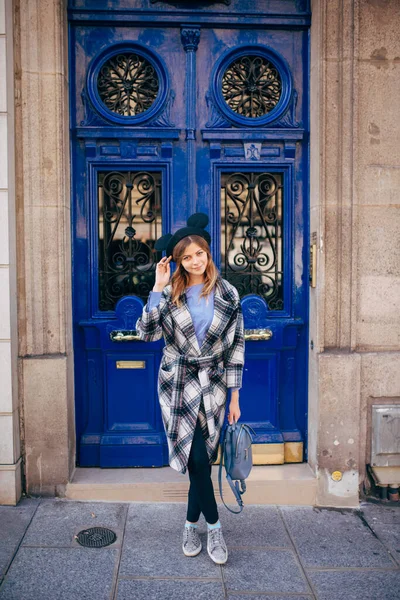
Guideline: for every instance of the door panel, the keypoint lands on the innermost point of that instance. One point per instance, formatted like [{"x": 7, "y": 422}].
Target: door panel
[
  {"x": 127, "y": 408},
  {"x": 173, "y": 112}
]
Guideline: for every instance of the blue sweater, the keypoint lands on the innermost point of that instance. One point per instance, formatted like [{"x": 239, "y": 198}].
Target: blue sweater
[{"x": 201, "y": 309}]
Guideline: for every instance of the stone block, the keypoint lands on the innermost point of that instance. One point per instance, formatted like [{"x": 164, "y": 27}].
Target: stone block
[
  {"x": 379, "y": 185},
  {"x": 41, "y": 52},
  {"x": 330, "y": 538},
  {"x": 377, "y": 336},
  {"x": 169, "y": 589},
  {"x": 379, "y": 305},
  {"x": 13, "y": 524},
  {"x": 6, "y": 401},
  {"x": 3, "y": 152},
  {"x": 378, "y": 250},
  {"x": 377, "y": 514},
  {"x": 238, "y": 596},
  {"x": 331, "y": 257},
  {"x": 4, "y": 236},
  {"x": 45, "y": 292},
  {"x": 2, "y": 17},
  {"x": 5, "y": 332},
  {"x": 380, "y": 375},
  {"x": 357, "y": 585},
  {"x": 378, "y": 109},
  {"x": 258, "y": 526},
  {"x": 379, "y": 24},
  {"x": 3, "y": 78},
  {"x": 47, "y": 432},
  {"x": 49, "y": 573},
  {"x": 6, "y": 440},
  {"x": 389, "y": 535},
  {"x": 150, "y": 530},
  {"x": 10, "y": 483},
  {"x": 56, "y": 521},
  {"x": 338, "y": 428},
  {"x": 267, "y": 571},
  {"x": 338, "y": 24}
]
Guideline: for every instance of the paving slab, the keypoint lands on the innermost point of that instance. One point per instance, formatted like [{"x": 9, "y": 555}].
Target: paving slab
[
  {"x": 254, "y": 526},
  {"x": 60, "y": 574},
  {"x": 334, "y": 538},
  {"x": 163, "y": 589},
  {"x": 378, "y": 513},
  {"x": 356, "y": 585},
  {"x": 269, "y": 597},
  {"x": 268, "y": 571},
  {"x": 57, "y": 520},
  {"x": 14, "y": 521},
  {"x": 153, "y": 544},
  {"x": 389, "y": 535}
]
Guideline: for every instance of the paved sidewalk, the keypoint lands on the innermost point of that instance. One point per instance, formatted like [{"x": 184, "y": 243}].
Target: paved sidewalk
[{"x": 275, "y": 553}]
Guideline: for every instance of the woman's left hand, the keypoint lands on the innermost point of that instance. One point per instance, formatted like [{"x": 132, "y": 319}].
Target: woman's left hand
[{"x": 234, "y": 410}]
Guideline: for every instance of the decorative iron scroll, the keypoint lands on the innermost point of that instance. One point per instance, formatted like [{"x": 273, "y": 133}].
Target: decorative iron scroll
[
  {"x": 251, "y": 86},
  {"x": 251, "y": 234},
  {"x": 129, "y": 225},
  {"x": 128, "y": 84}
]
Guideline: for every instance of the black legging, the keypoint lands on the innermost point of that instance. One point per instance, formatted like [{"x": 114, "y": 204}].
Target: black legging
[{"x": 201, "y": 498}]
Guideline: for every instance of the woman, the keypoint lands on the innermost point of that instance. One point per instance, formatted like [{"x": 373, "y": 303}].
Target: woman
[{"x": 200, "y": 316}]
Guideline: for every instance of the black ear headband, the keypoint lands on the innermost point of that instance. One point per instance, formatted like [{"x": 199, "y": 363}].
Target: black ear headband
[{"x": 195, "y": 226}]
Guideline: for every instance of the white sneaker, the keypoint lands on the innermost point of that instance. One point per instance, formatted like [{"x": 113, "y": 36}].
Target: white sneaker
[
  {"x": 191, "y": 545},
  {"x": 216, "y": 546}
]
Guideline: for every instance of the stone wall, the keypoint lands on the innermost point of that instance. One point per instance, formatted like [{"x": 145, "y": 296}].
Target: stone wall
[
  {"x": 355, "y": 210},
  {"x": 44, "y": 259},
  {"x": 10, "y": 451}
]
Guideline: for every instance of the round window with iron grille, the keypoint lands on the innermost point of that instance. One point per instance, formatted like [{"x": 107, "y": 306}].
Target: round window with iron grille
[
  {"x": 128, "y": 84},
  {"x": 251, "y": 86}
]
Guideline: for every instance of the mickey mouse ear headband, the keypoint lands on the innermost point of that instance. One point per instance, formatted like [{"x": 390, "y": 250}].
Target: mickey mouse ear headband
[{"x": 195, "y": 226}]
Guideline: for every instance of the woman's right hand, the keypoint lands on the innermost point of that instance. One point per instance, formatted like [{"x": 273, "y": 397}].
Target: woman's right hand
[{"x": 163, "y": 274}]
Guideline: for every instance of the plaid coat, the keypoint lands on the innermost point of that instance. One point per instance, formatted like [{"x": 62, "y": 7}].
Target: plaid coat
[{"x": 189, "y": 374}]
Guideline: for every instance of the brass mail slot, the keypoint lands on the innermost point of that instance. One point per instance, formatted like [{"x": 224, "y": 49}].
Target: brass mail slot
[{"x": 131, "y": 364}]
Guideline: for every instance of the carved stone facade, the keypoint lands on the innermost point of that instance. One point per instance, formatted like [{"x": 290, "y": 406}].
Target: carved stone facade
[
  {"x": 354, "y": 355},
  {"x": 354, "y": 310}
]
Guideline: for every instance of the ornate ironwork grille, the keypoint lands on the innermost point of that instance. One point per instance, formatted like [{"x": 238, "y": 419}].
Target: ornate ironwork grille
[
  {"x": 129, "y": 225},
  {"x": 251, "y": 234},
  {"x": 128, "y": 84},
  {"x": 251, "y": 86}
]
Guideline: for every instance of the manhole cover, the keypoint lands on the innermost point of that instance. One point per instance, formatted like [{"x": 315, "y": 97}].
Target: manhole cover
[{"x": 96, "y": 537}]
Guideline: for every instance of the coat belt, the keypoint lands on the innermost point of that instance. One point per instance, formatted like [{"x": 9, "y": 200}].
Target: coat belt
[{"x": 201, "y": 364}]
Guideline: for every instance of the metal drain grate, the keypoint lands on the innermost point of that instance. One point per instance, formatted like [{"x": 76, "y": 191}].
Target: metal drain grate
[{"x": 96, "y": 537}]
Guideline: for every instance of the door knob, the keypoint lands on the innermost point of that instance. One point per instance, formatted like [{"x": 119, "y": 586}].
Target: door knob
[
  {"x": 257, "y": 335},
  {"x": 125, "y": 336}
]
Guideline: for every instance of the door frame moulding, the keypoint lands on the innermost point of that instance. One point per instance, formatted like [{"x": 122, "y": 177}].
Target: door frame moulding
[{"x": 333, "y": 221}]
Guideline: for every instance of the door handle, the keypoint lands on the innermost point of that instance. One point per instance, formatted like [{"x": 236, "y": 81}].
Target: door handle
[
  {"x": 125, "y": 336},
  {"x": 257, "y": 335}
]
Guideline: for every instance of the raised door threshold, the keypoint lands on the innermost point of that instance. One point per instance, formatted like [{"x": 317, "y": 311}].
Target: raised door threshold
[{"x": 293, "y": 484}]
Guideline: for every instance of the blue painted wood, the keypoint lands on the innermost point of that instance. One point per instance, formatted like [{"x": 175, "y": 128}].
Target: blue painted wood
[{"x": 191, "y": 139}]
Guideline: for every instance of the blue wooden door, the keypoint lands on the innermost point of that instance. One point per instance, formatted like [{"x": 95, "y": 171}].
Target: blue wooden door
[{"x": 176, "y": 110}]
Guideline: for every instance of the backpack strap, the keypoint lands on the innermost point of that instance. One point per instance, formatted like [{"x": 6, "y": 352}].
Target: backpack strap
[{"x": 234, "y": 487}]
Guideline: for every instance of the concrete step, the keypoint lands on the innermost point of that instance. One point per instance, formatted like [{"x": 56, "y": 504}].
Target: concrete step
[{"x": 293, "y": 484}]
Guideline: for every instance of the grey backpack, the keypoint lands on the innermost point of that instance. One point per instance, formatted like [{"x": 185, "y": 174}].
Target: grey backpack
[{"x": 237, "y": 456}]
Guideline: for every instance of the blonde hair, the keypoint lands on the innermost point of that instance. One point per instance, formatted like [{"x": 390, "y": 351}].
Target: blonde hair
[{"x": 180, "y": 278}]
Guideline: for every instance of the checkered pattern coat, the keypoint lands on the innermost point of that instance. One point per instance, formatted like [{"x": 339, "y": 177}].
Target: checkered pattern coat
[{"x": 189, "y": 374}]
